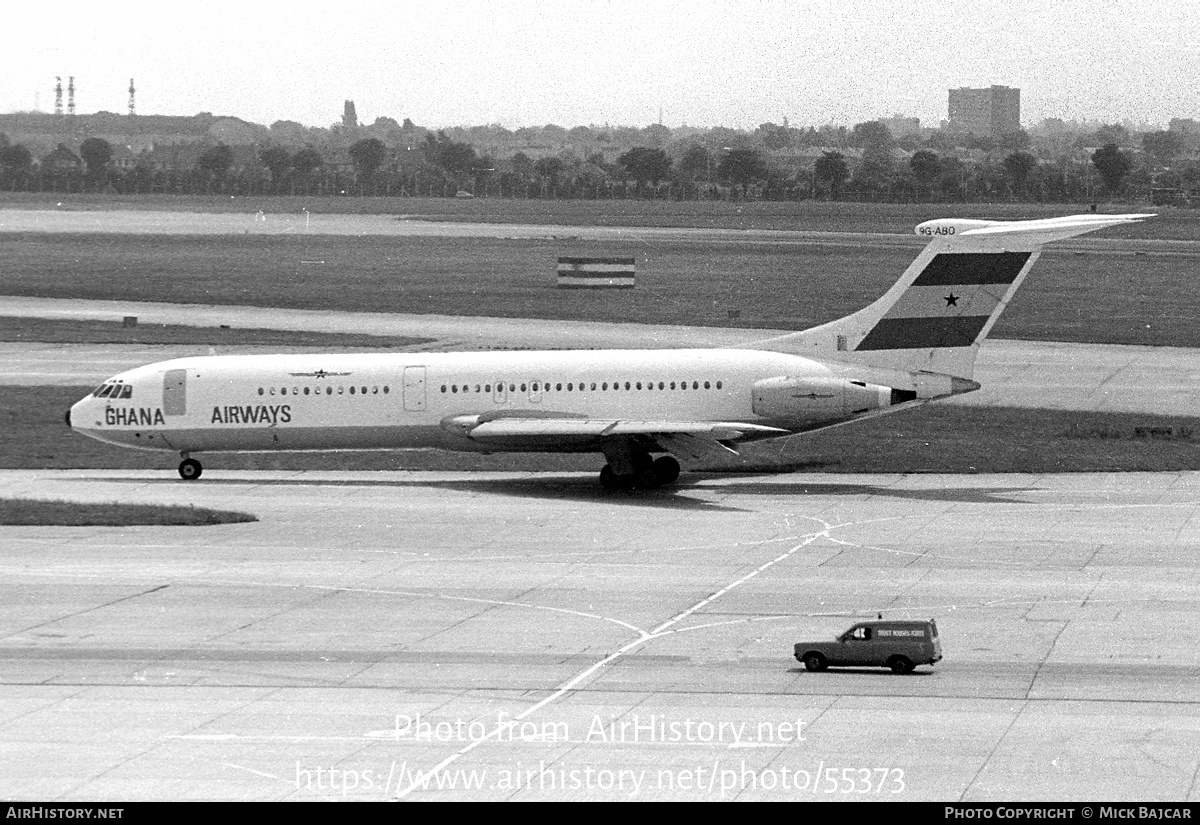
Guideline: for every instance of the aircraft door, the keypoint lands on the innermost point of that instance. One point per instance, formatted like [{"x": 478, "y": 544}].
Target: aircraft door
[
  {"x": 499, "y": 393},
  {"x": 174, "y": 400},
  {"x": 414, "y": 389}
]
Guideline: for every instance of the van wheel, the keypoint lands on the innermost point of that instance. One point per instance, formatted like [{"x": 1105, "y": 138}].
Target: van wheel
[
  {"x": 814, "y": 662},
  {"x": 900, "y": 664}
]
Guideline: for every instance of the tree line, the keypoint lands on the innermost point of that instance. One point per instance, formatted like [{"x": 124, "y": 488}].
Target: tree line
[{"x": 879, "y": 169}]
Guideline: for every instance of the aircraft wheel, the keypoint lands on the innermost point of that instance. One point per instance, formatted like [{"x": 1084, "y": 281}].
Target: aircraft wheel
[
  {"x": 646, "y": 479},
  {"x": 611, "y": 481},
  {"x": 666, "y": 468},
  {"x": 190, "y": 469}
]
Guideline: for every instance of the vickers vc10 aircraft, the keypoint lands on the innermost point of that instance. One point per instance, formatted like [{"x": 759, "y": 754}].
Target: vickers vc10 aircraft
[{"x": 914, "y": 345}]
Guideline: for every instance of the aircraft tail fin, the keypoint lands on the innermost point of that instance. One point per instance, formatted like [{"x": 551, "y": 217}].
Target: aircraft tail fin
[{"x": 944, "y": 305}]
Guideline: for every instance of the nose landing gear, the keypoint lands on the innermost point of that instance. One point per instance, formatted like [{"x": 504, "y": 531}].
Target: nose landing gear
[{"x": 189, "y": 468}]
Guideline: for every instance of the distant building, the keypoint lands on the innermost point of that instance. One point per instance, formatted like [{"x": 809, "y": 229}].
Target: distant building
[
  {"x": 62, "y": 159},
  {"x": 349, "y": 115},
  {"x": 901, "y": 126},
  {"x": 986, "y": 112}
]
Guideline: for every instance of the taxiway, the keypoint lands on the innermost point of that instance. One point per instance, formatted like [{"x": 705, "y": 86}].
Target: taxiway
[{"x": 297, "y": 657}]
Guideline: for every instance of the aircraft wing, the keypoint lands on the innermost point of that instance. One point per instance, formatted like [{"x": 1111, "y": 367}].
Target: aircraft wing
[{"x": 485, "y": 428}]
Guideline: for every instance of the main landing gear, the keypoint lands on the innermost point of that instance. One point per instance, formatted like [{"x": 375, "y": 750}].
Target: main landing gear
[
  {"x": 189, "y": 468},
  {"x": 647, "y": 474}
]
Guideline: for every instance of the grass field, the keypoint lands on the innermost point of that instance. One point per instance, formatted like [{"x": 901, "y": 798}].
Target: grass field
[
  {"x": 1071, "y": 296},
  {"x": 934, "y": 438},
  {"x": 24, "y": 512}
]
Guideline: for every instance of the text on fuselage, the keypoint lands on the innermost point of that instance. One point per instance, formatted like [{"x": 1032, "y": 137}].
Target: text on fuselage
[
  {"x": 251, "y": 414},
  {"x": 133, "y": 416}
]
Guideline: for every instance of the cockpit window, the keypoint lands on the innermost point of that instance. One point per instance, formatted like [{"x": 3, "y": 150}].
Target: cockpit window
[{"x": 117, "y": 390}]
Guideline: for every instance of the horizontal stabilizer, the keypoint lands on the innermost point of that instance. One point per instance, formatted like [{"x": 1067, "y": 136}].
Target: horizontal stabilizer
[{"x": 1037, "y": 232}]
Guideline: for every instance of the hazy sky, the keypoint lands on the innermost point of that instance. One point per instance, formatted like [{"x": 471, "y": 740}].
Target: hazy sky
[{"x": 573, "y": 62}]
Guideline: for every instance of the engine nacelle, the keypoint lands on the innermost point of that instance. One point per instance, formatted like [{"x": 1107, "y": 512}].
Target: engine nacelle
[{"x": 818, "y": 398}]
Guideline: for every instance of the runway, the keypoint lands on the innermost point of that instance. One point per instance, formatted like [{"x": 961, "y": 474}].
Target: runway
[
  {"x": 1043, "y": 374},
  {"x": 70, "y": 220},
  {"x": 639, "y": 646}
]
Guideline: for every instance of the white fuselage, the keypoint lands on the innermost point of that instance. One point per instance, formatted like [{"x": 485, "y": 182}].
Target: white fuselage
[{"x": 401, "y": 400}]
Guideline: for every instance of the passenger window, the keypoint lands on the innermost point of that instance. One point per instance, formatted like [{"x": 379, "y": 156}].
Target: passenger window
[
  {"x": 352, "y": 390},
  {"x": 261, "y": 391},
  {"x": 593, "y": 386},
  {"x": 718, "y": 385},
  {"x": 306, "y": 390},
  {"x": 707, "y": 386}
]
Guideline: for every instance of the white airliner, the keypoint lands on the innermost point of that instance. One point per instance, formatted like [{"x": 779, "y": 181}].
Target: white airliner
[{"x": 914, "y": 345}]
